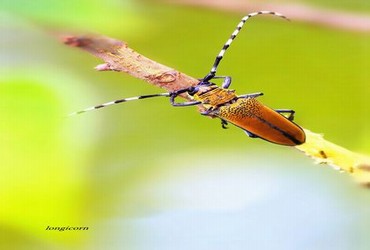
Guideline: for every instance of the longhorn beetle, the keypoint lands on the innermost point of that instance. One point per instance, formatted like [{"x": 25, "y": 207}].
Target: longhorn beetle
[{"x": 244, "y": 111}]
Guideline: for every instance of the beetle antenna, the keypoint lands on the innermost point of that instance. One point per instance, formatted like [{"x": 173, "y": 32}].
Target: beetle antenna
[
  {"x": 220, "y": 55},
  {"x": 119, "y": 101}
]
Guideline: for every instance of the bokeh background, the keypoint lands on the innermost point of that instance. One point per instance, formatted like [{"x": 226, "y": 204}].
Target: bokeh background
[{"x": 146, "y": 175}]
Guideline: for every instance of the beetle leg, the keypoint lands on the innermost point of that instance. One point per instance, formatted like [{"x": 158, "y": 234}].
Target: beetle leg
[
  {"x": 251, "y": 135},
  {"x": 291, "y": 113},
  {"x": 173, "y": 95},
  {"x": 224, "y": 124},
  {"x": 207, "y": 112},
  {"x": 226, "y": 82},
  {"x": 185, "y": 104},
  {"x": 252, "y": 95}
]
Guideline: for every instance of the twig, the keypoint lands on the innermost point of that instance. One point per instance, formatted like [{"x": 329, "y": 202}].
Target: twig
[
  {"x": 325, "y": 152},
  {"x": 119, "y": 57}
]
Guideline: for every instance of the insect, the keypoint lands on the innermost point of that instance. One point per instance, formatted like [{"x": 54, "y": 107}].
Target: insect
[{"x": 243, "y": 111}]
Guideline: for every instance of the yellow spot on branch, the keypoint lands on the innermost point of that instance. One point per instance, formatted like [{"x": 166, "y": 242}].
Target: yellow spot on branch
[{"x": 325, "y": 152}]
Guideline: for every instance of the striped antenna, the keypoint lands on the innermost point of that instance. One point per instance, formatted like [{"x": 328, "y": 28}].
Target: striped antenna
[
  {"x": 220, "y": 55},
  {"x": 119, "y": 101}
]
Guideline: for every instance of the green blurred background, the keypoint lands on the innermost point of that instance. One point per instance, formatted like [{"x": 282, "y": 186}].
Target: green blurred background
[{"x": 145, "y": 175}]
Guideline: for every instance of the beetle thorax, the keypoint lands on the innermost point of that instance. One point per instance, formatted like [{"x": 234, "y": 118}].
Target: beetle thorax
[{"x": 214, "y": 96}]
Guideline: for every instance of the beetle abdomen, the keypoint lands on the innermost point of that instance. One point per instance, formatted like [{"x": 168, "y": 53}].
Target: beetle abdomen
[{"x": 264, "y": 122}]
